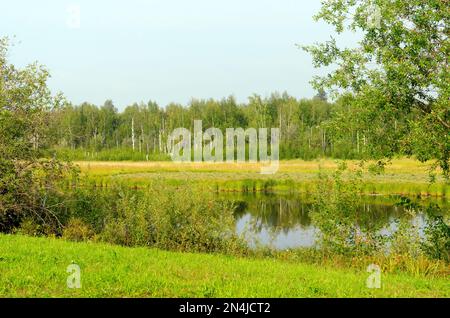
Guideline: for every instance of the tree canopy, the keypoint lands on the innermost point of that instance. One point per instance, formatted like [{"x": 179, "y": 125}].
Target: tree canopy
[
  {"x": 26, "y": 180},
  {"x": 398, "y": 73}
]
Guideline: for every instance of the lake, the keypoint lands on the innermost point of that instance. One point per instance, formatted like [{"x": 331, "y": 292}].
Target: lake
[{"x": 284, "y": 221}]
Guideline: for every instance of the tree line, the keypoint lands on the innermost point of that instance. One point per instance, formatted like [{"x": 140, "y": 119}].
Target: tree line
[{"x": 141, "y": 130}]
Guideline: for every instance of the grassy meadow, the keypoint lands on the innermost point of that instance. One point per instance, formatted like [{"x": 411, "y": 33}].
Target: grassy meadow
[
  {"x": 36, "y": 267},
  {"x": 402, "y": 176}
]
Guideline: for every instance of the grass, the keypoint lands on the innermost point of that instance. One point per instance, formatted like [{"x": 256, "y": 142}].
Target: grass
[
  {"x": 36, "y": 267},
  {"x": 402, "y": 176}
]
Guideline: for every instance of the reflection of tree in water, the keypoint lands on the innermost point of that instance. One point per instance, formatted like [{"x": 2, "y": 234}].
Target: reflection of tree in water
[
  {"x": 275, "y": 213},
  {"x": 373, "y": 217},
  {"x": 281, "y": 214},
  {"x": 289, "y": 218}
]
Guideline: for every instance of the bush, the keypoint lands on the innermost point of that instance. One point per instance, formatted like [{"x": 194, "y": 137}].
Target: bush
[
  {"x": 176, "y": 218},
  {"x": 29, "y": 227},
  {"x": 163, "y": 216},
  {"x": 336, "y": 212},
  {"x": 437, "y": 235},
  {"x": 77, "y": 230},
  {"x": 33, "y": 190}
]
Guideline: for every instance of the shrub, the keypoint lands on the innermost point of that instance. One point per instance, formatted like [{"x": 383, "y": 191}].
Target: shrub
[
  {"x": 437, "y": 235},
  {"x": 336, "y": 212},
  {"x": 177, "y": 218},
  {"x": 77, "y": 230},
  {"x": 29, "y": 227}
]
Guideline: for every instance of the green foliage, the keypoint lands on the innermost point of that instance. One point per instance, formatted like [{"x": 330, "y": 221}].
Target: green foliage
[
  {"x": 29, "y": 227},
  {"x": 89, "y": 132},
  {"x": 29, "y": 187},
  {"x": 337, "y": 213},
  {"x": 171, "y": 218},
  {"x": 114, "y": 154},
  {"x": 168, "y": 217},
  {"x": 77, "y": 230},
  {"x": 437, "y": 233},
  {"x": 377, "y": 168},
  {"x": 396, "y": 82}
]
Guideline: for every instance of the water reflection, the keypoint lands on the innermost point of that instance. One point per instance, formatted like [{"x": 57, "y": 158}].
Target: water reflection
[{"x": 284, "y": 222}]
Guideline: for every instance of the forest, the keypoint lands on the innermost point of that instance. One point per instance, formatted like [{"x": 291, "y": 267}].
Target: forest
[{"x": 140, "y": 131}]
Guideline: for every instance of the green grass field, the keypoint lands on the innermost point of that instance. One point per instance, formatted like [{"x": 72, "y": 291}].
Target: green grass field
[
  {"x": 402, "y": 176},
  {"x": 36, "y": 267}
]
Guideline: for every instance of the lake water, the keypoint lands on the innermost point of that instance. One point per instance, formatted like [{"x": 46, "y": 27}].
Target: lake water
[{"x": 284, "y": 222}]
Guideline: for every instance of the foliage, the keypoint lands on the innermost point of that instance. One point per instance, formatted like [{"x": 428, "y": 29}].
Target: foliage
[
  {"x": 396, "y": 81},
  {"x": 28, "y": 185},
  {"x": 337, "y": 213},
  {"x": 435, "y": 241},
  {"x": 164, "y": 216},
  {"x": 114, "y": 154},
  {"x": 140, "y": 132},
  {"x": 171, "y": 218},
  {"x": 437, "y": 233},
  {"x": 77, "y": 230}
]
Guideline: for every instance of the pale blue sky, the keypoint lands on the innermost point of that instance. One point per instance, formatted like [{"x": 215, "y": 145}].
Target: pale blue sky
[{"x": 168, "y": 50}]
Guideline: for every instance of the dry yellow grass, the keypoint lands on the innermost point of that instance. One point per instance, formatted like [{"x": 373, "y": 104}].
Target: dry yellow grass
[
  {"x": 401, "y": 176},
  {"x": 397, "y": 166}
]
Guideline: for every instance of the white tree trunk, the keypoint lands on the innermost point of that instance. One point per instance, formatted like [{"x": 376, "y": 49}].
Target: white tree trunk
[{"x": 132, "y": 132}]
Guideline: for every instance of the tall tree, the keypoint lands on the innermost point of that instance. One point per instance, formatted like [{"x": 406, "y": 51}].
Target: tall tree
[
  {"x": 399, "y": 72},
  {"x": 26, "y": 182}
]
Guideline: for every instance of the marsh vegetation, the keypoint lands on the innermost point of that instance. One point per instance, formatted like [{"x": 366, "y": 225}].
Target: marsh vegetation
[{"x": 316, "y": 217}]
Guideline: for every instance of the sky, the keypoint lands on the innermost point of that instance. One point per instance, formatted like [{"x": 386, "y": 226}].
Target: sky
[{"x": 167, "y": 50}]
